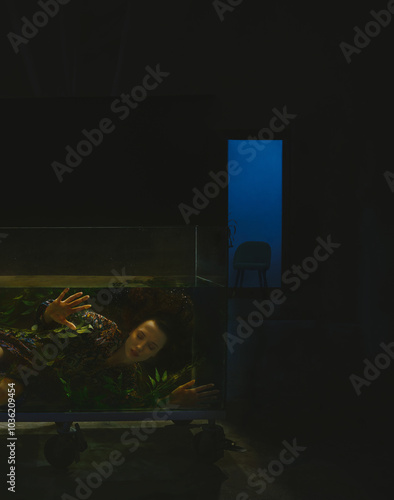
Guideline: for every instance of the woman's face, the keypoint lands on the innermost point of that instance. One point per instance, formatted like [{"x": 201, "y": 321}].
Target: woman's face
[{"x": 145, "y": 341}]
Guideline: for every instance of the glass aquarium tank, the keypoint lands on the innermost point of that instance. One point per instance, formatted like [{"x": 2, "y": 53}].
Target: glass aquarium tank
[{"x": 175, "y": 277}]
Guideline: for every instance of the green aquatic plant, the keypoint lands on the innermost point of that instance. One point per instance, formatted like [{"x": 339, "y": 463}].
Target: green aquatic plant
[
  {"x": 147, "y": 392},
  {"x": 81, "y": 399},
  {"x": 159, "y": 378},
  {"x": 19, "y": 308},
  {"x": 22, "y": 307},
  {"x": 161, "y": 386},
  {"x": 114, "y": 385}
]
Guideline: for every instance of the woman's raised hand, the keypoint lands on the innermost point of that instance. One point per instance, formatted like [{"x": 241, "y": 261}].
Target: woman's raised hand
[
  {"x": 59, "y": 309},
  {"x": 185, "y": 395}
]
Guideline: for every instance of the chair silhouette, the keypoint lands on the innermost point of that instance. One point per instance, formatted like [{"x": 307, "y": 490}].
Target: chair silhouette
[{"x": 253, "y": 256}]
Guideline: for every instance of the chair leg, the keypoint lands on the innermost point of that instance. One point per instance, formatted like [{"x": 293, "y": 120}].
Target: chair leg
[
  {"x": 236, "y": 279},
  {"x": 265, "y": 278}
]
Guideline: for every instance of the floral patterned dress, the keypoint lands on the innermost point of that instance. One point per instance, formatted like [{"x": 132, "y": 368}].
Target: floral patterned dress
[{"x": 53, "y": 362}]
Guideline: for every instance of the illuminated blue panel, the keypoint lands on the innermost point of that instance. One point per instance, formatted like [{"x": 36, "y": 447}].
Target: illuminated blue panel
[{"x": 255, "y": 203}]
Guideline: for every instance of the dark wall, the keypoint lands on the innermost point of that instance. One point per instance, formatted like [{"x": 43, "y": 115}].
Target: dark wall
[
  {"x": 137, "y": 175},
  {"x": 224, "y": 75}
]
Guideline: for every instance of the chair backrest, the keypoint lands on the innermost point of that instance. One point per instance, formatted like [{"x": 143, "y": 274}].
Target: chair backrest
[{"x": 253, "y": 251}]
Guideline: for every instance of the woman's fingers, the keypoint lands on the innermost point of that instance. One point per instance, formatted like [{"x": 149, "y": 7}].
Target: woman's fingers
[
  {"x": 73, "y": 297},
  {"x": 205, "y": 394},
  {"x": 78, "y": 301},
  {"x": 69, "y": 324},
  {"x": 81, "y": 308},
  {"x": 203, "y": 387},
  {"x": 73, "y": 300},
  {"x": 60, "y": 318},
  {"x": 188, "y": 384},
  {"x": 62, "y": 294},
  {"x": 198, "y": 396}
]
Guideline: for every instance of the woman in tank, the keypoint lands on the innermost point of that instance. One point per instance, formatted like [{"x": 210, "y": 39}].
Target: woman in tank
[{"x": 154, "y": 321}]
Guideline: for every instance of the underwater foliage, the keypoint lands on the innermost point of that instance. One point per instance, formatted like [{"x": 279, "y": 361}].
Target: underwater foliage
[
  {"x": 115, "y": 397},
  {"x": 22, "y": 306},
  {"x": 152, "y": 383}
]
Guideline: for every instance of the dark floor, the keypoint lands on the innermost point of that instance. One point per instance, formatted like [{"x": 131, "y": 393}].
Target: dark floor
[{"x": 164, "y": 465}]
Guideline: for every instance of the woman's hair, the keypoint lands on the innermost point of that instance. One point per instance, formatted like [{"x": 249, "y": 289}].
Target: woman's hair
[{"x": 171, "y": 309}]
